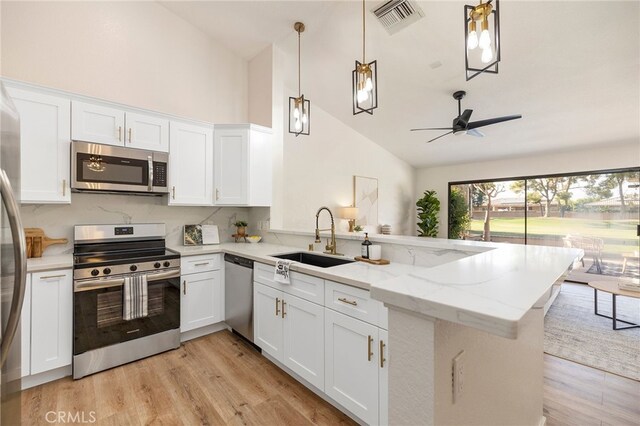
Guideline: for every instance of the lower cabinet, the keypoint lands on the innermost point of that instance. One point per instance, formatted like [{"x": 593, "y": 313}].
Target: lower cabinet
[
  {"x": 383, "y": 377},
  {"x": 47, "y": 322},
  {"x": 352, "y": 364},
  {"x": 202, "y": 295},
  {"x": 290, "y": 329}
]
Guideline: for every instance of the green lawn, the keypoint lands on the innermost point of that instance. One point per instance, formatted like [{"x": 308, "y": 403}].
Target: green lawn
[{"x": 619, "y": 235}]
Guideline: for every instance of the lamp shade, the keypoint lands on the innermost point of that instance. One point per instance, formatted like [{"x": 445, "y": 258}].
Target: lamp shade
[{"x": 350, "y": 213}]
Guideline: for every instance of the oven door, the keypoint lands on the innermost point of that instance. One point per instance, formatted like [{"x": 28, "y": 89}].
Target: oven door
[
  {"x": 97, "y": 167},
  {"x": 98, "y": 310}
]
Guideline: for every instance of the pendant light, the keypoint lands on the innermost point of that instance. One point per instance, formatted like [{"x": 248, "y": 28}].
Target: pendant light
[
  {"x": 482, "y": 52},
  {"x": 299, "y": 107},
  {"x": 364, "y": 79}
]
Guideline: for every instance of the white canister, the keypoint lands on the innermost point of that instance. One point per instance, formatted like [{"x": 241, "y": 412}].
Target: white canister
[{"x": 375, "y": 252}]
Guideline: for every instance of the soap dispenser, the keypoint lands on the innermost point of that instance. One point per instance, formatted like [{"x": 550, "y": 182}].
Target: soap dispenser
[{"x": 364, "y": 250}]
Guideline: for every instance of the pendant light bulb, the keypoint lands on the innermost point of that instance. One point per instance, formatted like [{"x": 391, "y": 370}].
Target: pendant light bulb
[
  {"x": 297, "y": 124},
  {"x": 304, "y": 118},
  {"x": 296, "y": 112},
  {"x": 472, "y": 39},
  {"x": 368, "y": 86},
  {"x": 487, "y": 55},
  {"x": 363, "y": 95},
  {"x": 485, "y": 39}
]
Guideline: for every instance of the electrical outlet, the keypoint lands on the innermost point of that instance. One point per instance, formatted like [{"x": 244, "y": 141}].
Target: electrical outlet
[{"x": 458, "y": 376}]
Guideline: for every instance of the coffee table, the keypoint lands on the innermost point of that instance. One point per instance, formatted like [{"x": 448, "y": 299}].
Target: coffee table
[{"x": 612, "y": 287}]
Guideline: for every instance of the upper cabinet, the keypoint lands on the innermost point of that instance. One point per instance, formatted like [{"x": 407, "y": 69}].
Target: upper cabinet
[
  {"x": 243, "y": 172},
  {"x": 44, "y": 146},
  {"x": 190, "y": 165},
  {"x": 114, "y": 126}
]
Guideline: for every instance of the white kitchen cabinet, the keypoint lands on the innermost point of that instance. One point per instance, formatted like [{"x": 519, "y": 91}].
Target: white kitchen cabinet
[
  {"x": 291, "y": 330},
  {"x": 243, "y": 172},
  {"x": 147, "y": 132},
  {"x": 51, "y": 320},
  {"x": 97, "y": 123},
  {"x": 200, "y": 300},
  {"x": 190, "y": 165},
  {"x": 267, "y": 322},
  {"x": 351, "y": 364},
  {"x": 383, "y": 377},
  {"x": 202, "y": 292},
  {"x": 115, "y": 126},
  {"x": 44, "y": 144}
]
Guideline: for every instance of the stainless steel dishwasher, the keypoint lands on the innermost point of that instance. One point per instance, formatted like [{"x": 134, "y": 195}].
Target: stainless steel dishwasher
[{"x": 238, "y": 294}]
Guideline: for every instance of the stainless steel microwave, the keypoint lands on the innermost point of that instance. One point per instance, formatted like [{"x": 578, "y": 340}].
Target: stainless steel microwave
[{"x": 107, "y": 168}]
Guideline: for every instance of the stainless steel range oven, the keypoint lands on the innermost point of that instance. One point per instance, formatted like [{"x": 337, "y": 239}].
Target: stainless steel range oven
[{"x": 104, "y": 257}]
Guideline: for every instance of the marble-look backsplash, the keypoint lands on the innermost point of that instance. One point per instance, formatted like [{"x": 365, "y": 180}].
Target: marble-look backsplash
[{"x": 57, "y": 221}]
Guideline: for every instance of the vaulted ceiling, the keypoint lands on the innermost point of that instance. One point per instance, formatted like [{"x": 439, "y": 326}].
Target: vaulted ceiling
[{"x": 571, "y": 68}]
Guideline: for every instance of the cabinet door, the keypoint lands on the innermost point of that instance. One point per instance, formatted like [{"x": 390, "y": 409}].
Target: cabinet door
[
  {"x": 383, "y": 376},
  {"x": 200, "y": 300},
  {"x": 97, "y": 123},
  {"x": 51, "y": 320},
  {"x": 231, "y": 166},
  {"x": 44, "y": 143},
  {"x": 190, "y": 165},
  {"x": 304, "y": 339},
  {"x": 351, "y": 363},
  {"x": 267, "y": 320},
  {"x": 147, "y": 132}
]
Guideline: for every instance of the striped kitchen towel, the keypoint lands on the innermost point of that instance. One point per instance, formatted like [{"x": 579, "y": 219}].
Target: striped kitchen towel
[{"x": 135, "y": 297}]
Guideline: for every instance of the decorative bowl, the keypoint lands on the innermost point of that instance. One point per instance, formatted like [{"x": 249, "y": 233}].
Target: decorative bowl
[{"x": 254, "y": 238}]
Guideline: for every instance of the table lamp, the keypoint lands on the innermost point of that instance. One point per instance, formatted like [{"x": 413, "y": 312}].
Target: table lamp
[{"x": 350, "y": 213}]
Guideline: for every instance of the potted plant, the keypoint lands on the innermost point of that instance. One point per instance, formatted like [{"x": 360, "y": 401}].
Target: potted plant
[
  {"x": 428, "y": 210},
  {"x": 241, "y": 226}
]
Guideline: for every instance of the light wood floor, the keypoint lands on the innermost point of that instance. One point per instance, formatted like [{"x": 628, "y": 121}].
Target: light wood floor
[{"x": 218, "y": 379}]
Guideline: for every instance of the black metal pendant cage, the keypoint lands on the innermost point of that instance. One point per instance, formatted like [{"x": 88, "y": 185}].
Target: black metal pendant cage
[
  {"x": 473, "y": 64},
  {"x": 365, "y": 87},
  {"x": 299, "y": 116}
]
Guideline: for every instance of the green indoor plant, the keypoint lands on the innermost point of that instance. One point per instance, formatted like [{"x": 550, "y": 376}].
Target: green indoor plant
[
  {"x": 458, "y": 215},
  {"x": 241, "y": 226},
  {"x": 428, "y": 210}
]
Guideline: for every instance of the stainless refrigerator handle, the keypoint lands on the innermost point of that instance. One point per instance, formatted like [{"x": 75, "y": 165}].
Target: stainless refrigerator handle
[
  {"x": 118, "y": 282},
  {"x": 20, "y": 259},
  {"x": 150, "y": 160}
]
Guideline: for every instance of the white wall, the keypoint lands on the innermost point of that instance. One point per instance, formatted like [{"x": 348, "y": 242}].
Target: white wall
[
  {"x": 438, "y": 178},
  {"x": 260, "y": 87},
  {"x": 318, "y": 170},
  {"x": 136, "y": 53}
]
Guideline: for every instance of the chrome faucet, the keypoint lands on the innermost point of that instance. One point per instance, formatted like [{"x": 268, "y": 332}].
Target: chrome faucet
[{"x": 330, "y": 247}]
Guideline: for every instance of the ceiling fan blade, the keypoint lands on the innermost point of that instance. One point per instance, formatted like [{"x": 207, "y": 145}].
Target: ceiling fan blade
[
  {"x": 440, "y": 136},
  {"x": 432, "y": 128},
  {"x": 475, "y": 132},
  {"x": 464, "y": 117},
  {"x": 490, "y": 121}
]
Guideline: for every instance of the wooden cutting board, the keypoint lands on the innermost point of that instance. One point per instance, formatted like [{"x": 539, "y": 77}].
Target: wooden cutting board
[{"x": 37, "y": 241}]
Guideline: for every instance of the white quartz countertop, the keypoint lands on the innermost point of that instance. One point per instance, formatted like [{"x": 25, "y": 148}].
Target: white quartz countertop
[{"x": 49, "y": 263}]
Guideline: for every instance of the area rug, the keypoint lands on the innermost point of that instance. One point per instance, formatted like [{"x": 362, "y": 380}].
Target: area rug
[
  {"x": 573, "y": 332},
  {"x": 615, "y": 270}
]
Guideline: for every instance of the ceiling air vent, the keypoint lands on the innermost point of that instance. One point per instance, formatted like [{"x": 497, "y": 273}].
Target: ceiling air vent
[{"x": 395, "y": 15}]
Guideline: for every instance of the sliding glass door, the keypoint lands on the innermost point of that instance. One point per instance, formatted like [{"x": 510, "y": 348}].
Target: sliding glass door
[{"x": 597, "y": 212}]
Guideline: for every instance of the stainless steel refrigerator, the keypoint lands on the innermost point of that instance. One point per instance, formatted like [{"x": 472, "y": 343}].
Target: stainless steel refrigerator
[{"x": 13, "y": 262}]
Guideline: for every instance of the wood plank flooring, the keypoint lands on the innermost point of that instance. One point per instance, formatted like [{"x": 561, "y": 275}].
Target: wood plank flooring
[{"x": 219, "y": 379}]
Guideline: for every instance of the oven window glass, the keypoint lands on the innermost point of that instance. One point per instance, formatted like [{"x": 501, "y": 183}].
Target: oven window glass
[
  {"x": 105, "y": 169},
  {"x": 98, "y": 313}
]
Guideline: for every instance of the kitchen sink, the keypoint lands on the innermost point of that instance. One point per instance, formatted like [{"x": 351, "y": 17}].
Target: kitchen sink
[{"x": 314, "y": 259}]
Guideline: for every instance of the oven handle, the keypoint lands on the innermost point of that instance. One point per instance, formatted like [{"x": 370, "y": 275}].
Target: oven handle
[
  {"x": 119, "y": 282},
  {"x": 150, "y": 163}
]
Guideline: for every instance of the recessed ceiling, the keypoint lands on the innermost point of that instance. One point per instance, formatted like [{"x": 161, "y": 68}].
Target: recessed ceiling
[{"x": 570, "y": 68}]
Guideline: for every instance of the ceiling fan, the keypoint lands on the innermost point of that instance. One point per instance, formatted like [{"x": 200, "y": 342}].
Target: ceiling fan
[{"x": 462, "y": 125}]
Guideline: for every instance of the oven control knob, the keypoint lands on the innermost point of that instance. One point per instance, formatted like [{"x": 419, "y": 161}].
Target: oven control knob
[
  {"x": 106, "y": 271},
  {"x": 95, "y": 272},
  {"x": 156, "y": 265},
  {"x": 133, "y": 268},
  {"x": 167, "y": 264}
]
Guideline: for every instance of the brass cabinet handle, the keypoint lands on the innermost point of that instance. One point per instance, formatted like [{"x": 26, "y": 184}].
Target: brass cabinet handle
[
  {"x": 173, "y": 193},
  {"x": 50, "y": 277},
  {"x": 382, "y": 358},
  {"x": 129, "y": 134},
  {"x": 350, "y": 302},
  {"x": 277, "y": 306},
  {"x": 184, "y": 289},
  {"x": 201, "y": 264},
  {"x": 120, "y": 133},
  {"x": 283, "y": 312},
  {"x": 64, "y": 187},
  {"x": 369, "y": 351}
]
